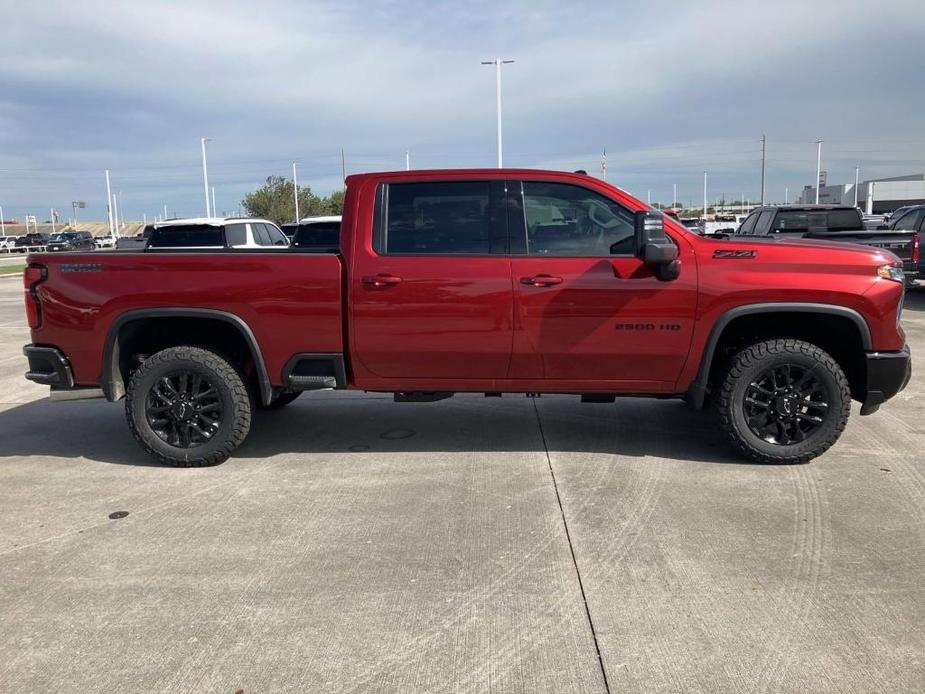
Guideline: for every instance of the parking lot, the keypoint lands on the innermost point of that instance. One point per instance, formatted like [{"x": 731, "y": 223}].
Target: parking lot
[{"x": 469, "y": 545}]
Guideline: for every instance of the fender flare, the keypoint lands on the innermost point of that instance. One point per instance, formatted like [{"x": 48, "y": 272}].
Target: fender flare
[
  {"x": 697, "y": 392},
  {"x": 111, "y": 378}
]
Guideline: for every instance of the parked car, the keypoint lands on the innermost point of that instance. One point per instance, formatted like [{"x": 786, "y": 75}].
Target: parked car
[
  {"x": 318, "y": 234},
  {"x": 7, "y": 242},
  {"x": 220, "y": 232},
  {"x": 71, "y": 241},
  {"x": 484, "y": 280},
  {"x": 32, "y": 239},
  {"x": 912, "y": 219},
  {"x": 105, "y": 241},
  {"x": 836, "y": 223},
  {"x": 898, "y": 212}
]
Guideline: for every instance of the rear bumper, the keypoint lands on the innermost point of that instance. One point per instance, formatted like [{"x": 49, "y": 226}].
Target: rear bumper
[
  {"x": 48, "y": 366},
  {"x": 887, "y": 374}
]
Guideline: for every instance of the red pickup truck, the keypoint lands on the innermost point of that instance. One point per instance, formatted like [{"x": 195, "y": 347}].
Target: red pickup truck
[{"x": 495, "y": 280}]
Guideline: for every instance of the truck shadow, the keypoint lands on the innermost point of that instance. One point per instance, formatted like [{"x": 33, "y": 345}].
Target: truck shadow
[{"x": 350, "y": 423}]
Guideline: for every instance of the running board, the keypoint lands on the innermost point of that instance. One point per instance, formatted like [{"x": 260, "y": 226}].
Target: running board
[{"x": 300, "y": 383}]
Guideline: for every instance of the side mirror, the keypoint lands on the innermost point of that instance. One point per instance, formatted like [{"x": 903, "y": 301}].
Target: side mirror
[{"x": 652, "y": 243}]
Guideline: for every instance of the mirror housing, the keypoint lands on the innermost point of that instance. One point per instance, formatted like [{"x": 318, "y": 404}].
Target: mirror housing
[{"x": 652, "y": 243}]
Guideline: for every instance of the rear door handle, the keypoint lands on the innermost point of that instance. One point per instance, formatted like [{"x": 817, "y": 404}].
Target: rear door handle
[
  {"x": 541, "y": 280},
  {"x": 381, "y": 280}
]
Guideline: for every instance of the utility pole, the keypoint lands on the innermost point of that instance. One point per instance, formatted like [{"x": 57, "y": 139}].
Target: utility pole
[
  {"x": 498, "y": 62},
  {"x": 295, "y": 191},
  {"x": 818, "y": 167},
  {"x": 205, "y": 173},
  {"x": 112, "y": 229},
  {"x": 763, "y": 157},
  {"x": 857, "y": 176},
  {"x": 407, "y": 160}
]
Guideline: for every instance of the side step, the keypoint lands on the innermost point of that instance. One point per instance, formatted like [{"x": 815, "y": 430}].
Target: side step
[{"x": 300, "y": 383}]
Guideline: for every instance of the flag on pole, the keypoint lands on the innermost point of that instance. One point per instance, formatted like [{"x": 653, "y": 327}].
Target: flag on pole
[{"x": 604, "y": 164}]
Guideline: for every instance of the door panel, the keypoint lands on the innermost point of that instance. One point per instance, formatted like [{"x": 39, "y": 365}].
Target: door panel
[
  {"x": 608, "y": 319},
  {"x": 432, "y": 297},
  {"x": 583, "y": 314}
]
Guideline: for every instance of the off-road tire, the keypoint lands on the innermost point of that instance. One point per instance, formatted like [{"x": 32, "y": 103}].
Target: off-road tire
[
  {"x": 748, "y": 365},
  {"x": 280, "y": 400},
  {"x": 231, "y": 391}
]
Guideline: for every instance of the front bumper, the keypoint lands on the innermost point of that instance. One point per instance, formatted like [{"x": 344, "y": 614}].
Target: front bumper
[
  {"x": 48, "y": 366},
  {"x": 887, "y": 374}
]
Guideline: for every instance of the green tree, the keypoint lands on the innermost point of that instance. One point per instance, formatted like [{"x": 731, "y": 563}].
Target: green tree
[{"x": 274, "y": 200}]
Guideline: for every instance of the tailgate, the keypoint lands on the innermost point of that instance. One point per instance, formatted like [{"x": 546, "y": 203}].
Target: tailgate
[{"x": 899, "y": 243}]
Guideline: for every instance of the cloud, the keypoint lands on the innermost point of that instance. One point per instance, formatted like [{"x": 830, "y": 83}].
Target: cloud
[{"x": 670, "y": 89}]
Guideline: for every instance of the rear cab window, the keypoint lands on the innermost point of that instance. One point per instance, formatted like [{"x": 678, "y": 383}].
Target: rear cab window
[{"x": 187, "y": 236}]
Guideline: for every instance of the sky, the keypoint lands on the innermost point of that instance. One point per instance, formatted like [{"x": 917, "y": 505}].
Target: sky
[{"x": 670, "y": 89}]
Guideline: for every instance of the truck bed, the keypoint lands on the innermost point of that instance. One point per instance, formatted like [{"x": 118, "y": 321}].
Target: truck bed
[{"x": 291, "y": 302}]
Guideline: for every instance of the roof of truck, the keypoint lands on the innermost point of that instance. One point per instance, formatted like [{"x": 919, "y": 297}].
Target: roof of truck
[{"x": 210, "y": 221}]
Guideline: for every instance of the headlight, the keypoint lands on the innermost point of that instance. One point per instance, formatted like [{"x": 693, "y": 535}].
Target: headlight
[{"x": 891, "y": 272}]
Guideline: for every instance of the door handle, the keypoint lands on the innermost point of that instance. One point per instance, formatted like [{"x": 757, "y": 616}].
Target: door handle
[
  {"x": 381, "y": 280},
  {"x": 541, "y": 280}
]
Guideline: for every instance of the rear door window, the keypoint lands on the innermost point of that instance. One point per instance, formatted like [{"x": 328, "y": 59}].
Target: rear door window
[
  {"x": 277, "y": 237},
  {"x": 437, "y": 218},
  {"x": 236, "y": 234}
]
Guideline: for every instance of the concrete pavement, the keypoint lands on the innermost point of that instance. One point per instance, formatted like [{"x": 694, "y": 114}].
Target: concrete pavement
[{"x": 468, "y": 545}]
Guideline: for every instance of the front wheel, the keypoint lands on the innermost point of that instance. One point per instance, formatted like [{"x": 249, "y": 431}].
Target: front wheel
[
  {"x": 188, "y": 407},
  {"x": 783, "y": 401}
]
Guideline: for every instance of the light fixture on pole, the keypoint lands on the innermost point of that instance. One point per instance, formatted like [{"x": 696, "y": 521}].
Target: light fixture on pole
[
  {"x": 818, "y": 167},
  {"x": 498, "y": 62},
  {"x": 75, "y": 205},
  {"x": 295, "y": 191},
  {"x": 205, "y": 173},
  {"x": 112, "y": 229}
]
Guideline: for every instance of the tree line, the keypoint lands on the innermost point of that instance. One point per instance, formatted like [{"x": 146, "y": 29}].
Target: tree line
[{"x": 274, "y": 200}]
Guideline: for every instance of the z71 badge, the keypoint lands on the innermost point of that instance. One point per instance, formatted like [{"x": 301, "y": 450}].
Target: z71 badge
[{"x": 734, "y": 253}]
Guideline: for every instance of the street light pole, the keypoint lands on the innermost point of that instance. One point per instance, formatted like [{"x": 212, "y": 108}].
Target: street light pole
[
  {"x": 704, "y": 197},
  {"x": 763, "y": 156},
  {"x": 857, "y": 176},
  {"x": 295, "y": 191},
  {"x": 2, "y": 223},
  {"x": 112, "y": 229},
  {"x": 205, "y": 173},
  {"x": 674, "y": 198},
  {"x": 407, "y": 160},
  {"x": 498, "y": 62},
  {"x": 818, "y": 167}
]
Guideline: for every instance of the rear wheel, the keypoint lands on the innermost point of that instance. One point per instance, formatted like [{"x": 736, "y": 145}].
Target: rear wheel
[
  {"x": 783, "y": 401},
  {"x": 188, "y": 407}
]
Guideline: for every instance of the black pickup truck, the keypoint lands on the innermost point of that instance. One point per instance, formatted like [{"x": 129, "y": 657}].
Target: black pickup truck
[{"x": 840, "y": 223}]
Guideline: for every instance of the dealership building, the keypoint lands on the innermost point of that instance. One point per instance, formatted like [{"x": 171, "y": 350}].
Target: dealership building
[{"x": 879, "y": 195}]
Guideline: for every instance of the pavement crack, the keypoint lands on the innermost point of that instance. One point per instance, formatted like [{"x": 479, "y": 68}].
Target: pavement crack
[{"x": 571, "y": 547}]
